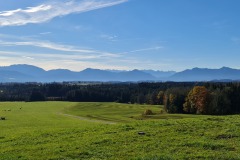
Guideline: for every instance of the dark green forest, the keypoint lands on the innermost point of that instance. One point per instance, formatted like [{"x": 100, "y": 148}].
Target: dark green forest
[{"x": 184, "y": 97}]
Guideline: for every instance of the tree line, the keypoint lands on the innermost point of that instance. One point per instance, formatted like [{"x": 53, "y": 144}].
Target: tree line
[
  {"x": 184, "y": 97},
  {"x": 210, "y": 98}
]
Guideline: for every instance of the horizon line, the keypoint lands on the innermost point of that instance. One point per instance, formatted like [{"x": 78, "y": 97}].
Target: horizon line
[{"x": 116, "y": 69}]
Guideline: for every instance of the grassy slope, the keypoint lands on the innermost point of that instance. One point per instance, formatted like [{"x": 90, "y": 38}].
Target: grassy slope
[
  {"x": 110, "y": 111},
  {"x": 37, "y": 131}
]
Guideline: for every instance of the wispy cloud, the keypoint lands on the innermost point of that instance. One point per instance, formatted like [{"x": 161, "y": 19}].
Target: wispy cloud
[
  {"x": 73, "y": 49},
  {"x": 143, "y": 49},
  {"x": 60, "y": 47},
  {"x": 109, "y": 37},
  {"x": 48, "y": 11},
  {"x": 74, "y": 61},
  {"x": 48, "y": 56},
  {"x": 15, "y": 50},
  {"x": 45, "y": 33},
  {"x": 26, "y": 57},
  {"x": 54, "y": 61}
]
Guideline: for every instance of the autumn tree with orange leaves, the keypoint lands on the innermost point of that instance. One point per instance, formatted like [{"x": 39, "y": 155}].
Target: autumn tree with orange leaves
[{"x": 197, "y": 101}]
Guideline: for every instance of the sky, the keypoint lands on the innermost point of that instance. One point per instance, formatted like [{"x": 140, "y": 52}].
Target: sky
[{"x": 120, "y": 34}]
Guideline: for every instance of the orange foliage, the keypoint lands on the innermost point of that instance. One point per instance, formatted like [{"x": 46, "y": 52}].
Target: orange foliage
[{"x": 197, "y": 100}]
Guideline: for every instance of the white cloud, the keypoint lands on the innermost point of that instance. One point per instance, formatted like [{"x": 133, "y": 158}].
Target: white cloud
[
  {"x": 72, "y": 53},
  {"x": 46, "y": 12},
  {"x": 45, "y": 33},
  {"x": 29, "y": 10},
  {"x": 60, "y": 47},
  {"x": 48, "y": 56},
  {"x": 57, "y": 55},
  {"x": 76, "y": 62},
  {"x": 143, "y": 49},
  {"x": 27, "y": 57},
  {"x": 109, "y": 37},
  {"x": 53, "y": 61},
  {"x": 90, "y": 53}
]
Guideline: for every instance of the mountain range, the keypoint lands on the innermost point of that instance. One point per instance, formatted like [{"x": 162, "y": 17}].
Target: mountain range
[{"x": 30, "y": 73}]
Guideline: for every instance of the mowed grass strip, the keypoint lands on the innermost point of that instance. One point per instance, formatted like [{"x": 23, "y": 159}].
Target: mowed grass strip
[
  {"x": 116, "y": 112},
  {"x": 37, "y": 131}
]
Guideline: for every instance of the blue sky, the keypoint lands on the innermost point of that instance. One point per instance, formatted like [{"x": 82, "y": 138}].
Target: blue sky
[{"x": 120, "y": 34}]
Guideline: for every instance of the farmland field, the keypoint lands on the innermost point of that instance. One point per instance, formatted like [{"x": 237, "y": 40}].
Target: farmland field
[{"x": 68, "y": 130}]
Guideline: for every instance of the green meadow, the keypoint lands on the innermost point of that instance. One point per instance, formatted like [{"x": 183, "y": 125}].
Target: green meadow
[{"x": 69, "y": 130}]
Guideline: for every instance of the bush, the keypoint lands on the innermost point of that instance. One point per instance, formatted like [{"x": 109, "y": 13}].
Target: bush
[
  {"x": 148, "y": 112},
  {"x": 2, "y": 118}
]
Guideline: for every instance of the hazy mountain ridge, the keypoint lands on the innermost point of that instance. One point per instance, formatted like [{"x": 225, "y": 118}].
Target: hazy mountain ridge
[
  {"x": 205, "y": 74},
  {"x": 29, "y": 73}
]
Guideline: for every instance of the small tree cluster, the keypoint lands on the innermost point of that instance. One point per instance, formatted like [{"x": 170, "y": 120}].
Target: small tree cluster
[{"x": 174, "y": 98}]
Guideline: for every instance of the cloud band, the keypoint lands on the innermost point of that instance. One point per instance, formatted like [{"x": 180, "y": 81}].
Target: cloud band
[{"x": 48, "y": 11}]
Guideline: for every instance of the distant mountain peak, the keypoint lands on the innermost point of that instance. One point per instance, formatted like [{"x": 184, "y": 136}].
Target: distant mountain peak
[
  {"x": 196, "y": 68},
  {"x": 25, "y": 66},
  {"x": 91, "y": 69},
  {"x": 225, "y": 68},
  {"x": 206, "y": 74},
  {"x": 135, "y": 70}
]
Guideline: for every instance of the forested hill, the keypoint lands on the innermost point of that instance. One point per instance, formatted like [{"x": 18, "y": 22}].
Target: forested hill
[{"x": 29, "y": 73}]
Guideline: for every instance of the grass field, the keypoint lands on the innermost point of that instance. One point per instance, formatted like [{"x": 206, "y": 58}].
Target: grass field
[{"x": 64, "y": 130}]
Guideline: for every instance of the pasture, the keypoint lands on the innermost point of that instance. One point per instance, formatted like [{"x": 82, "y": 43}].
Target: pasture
[{"x": 69, "y": 130}]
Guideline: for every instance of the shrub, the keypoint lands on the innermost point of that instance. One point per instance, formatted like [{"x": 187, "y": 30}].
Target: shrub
[
  {"x": 2, "y": 118},
  {"x": 148, "y": 112}
]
